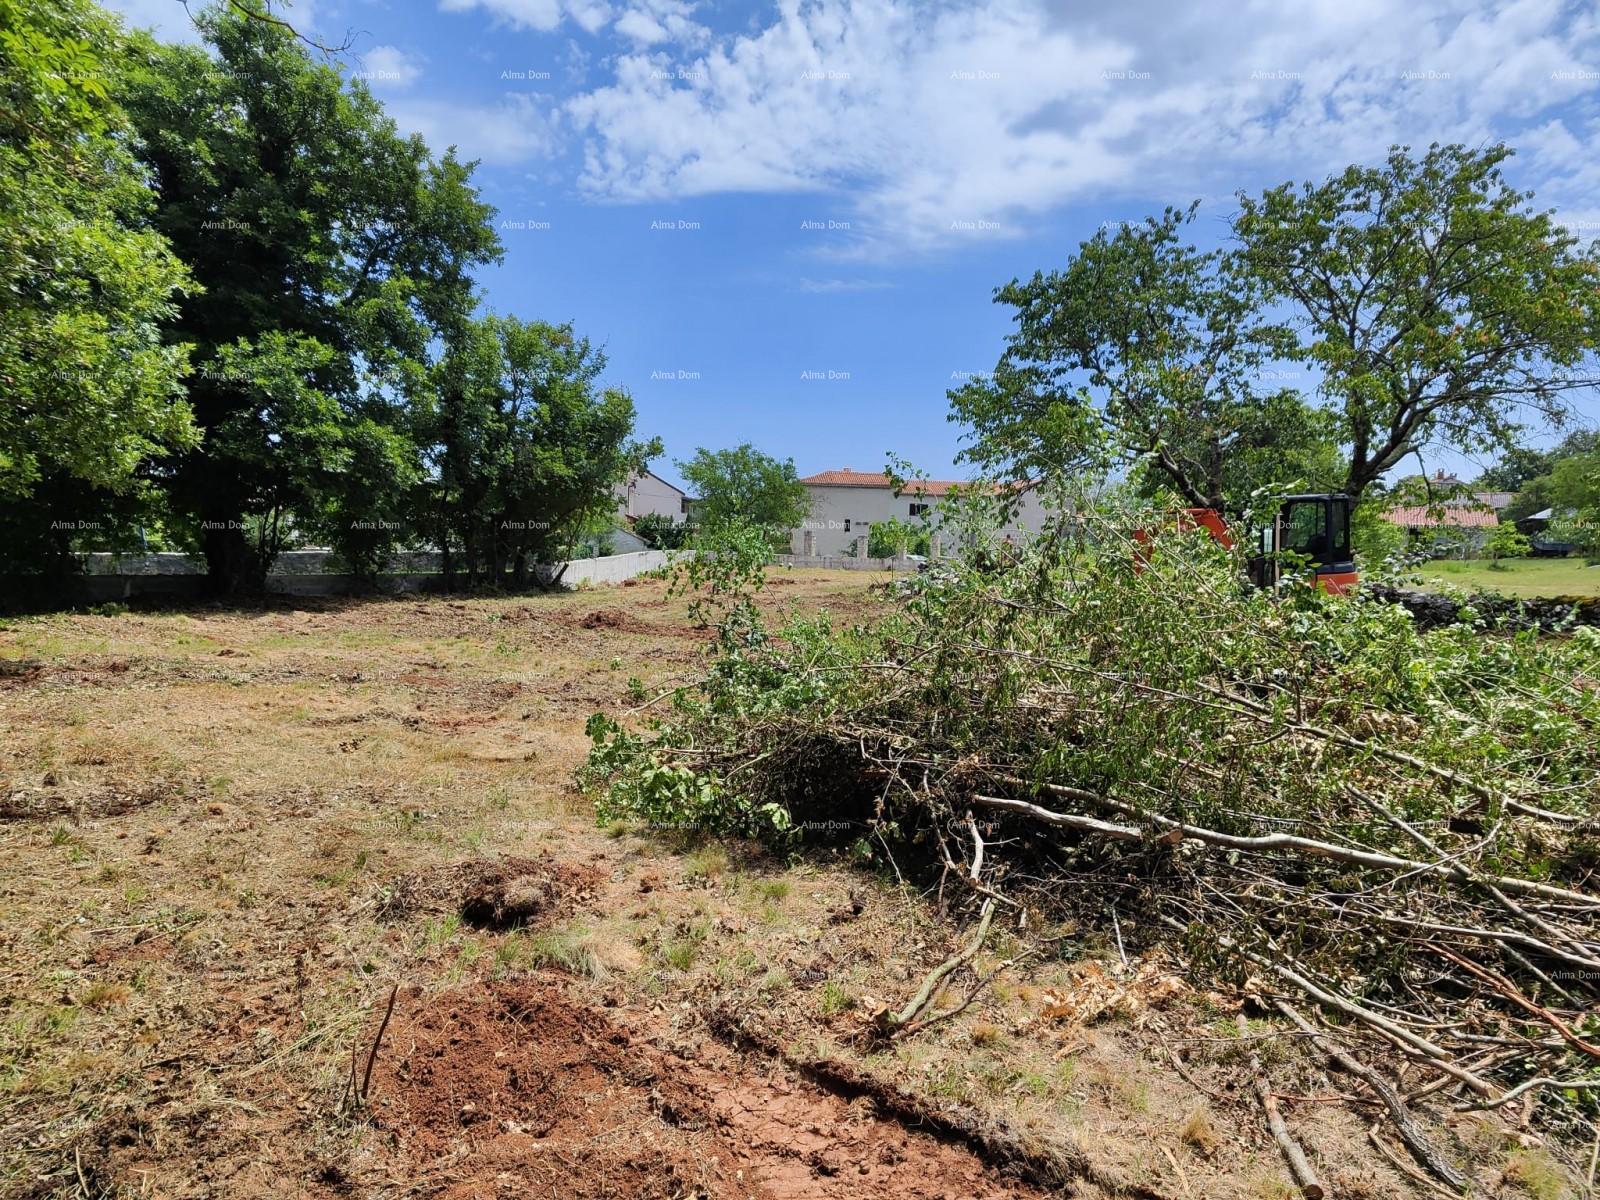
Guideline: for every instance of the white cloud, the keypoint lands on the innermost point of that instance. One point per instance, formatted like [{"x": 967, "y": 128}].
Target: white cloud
[
  {"x": 962, "y": 121},
  {"x": 641, "y": 27},
  {"x": 518, "y": 129},
  {"x": 387, "y": 67},
  {"x": 831, "y": 286},
  {"x": 645, "y": 22}
]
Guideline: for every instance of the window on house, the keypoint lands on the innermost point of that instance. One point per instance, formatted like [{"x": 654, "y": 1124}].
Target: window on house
[{"x": 918, "y": 509}]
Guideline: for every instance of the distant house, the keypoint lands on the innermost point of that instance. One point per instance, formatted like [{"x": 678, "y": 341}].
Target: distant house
[
  {"x": 846, "y": 504},
  {"x": 646, "y": 493},
  {"x": 1421, "y": 519},
  {"x": 1453, "y": 493},
  {"x": 1458, "y": 519}
]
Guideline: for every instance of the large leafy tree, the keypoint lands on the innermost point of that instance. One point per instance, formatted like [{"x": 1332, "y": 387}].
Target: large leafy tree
[
  {"x": 1147, "y": 352},
  {"x": 90, "y": 388},
  {"x": 1437, "y": 304},
  {"x": 743, "y": 485},
  {"x": 333, "y": 251},
  {"x": 525, "y": 445}
]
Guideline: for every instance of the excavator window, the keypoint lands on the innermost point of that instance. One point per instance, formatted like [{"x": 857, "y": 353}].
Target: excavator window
[{"x": 1305, "y": 529}]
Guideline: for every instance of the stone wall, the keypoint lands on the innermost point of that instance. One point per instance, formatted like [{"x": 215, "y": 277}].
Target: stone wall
[{"x": 1431, "y": 610}]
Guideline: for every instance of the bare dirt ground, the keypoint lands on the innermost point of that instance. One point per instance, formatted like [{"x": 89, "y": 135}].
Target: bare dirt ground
[{"x": 227, "y": 836}]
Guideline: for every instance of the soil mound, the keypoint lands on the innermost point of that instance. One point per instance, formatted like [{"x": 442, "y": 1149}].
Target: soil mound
[
  {"x": 505, "y": 893},
  {"x": 513, "y": 1081},
  {"x": 614, "y": 619}
]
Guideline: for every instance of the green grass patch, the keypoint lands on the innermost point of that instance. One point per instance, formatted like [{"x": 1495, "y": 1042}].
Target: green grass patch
[{"x": 1518, "y": 576}]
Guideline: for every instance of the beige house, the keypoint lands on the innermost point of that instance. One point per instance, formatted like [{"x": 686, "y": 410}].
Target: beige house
[
  {"x": 845, "y": 504},
  {"x": 646, "y": 492}
]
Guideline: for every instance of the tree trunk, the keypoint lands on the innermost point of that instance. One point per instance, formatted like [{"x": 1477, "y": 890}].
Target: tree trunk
[{"x": 232, "y": 566}]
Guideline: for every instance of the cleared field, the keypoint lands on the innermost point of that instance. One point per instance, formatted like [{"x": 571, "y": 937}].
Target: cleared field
[
  {"x": 1519, "y": 576},
  {"x": 229, "y": 836}
]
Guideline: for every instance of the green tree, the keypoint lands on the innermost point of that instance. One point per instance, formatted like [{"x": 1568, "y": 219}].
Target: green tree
[
  {"x": 333, "y": 251},
  {"x": 1575, "y": 482},
  {"x": 886, "y": 539},
  {"x": 91, "y": 391},
  {"x": 525, "y": 446},
  {"x": 661, "y": 532},
  {"x": 1574, "y": 490},
  {"x": 1528, "y": 472},
  {"x": 1505, "y": 542},
  {"x": 1437, "y": 305},
  {"x": 745, "y": 485},
  {"x": 1145, "y": 351}
]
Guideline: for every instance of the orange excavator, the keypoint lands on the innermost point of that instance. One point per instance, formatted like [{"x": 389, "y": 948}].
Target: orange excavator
[{"x": 1313, "y": 528}]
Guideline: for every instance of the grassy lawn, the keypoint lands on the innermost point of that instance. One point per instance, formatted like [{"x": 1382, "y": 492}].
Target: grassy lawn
[{"x": 1519, "y": 577}]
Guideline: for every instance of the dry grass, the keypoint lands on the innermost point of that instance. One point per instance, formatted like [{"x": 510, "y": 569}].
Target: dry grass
[{"x": 191, "y": 929}]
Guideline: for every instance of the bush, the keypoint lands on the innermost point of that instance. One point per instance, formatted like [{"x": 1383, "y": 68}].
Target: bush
[
  {"x": 887, "y": 539},
  {"x": 661, "y": 532},
  {"x": 1505, "y": 542}
]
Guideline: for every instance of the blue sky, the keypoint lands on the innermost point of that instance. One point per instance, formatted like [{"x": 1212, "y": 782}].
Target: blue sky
[{"x": 785, "y": 221}]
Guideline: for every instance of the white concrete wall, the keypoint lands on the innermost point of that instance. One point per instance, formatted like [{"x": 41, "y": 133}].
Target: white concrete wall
[
  {"x": 648, "y": 493},
  {"x": 308, "y": 573},
  {"x": 839, "y": 515},
  {"x": 614, "y": 568}
]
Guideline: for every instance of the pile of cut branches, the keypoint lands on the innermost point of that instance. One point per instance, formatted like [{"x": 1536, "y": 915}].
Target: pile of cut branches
[{"x": 1393, "y": 829}]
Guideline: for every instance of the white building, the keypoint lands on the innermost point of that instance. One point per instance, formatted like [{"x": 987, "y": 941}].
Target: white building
[
  {"x": 646, "y": 492},
  {"x": 845, "y": 504}
]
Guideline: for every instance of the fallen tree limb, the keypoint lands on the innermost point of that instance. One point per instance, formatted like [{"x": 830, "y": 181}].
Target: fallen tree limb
[
  {"x": 1405, "y": 1169},
  {"x": 1528, "y": 1085},
  {"x": 1293, "y": 1154},
  {"x": 1500, "y": 984},
  {"x": 1268, "y": 842},
  {"x": 1420, "y": 1047},
  {"x": 890, "y": 1022},
  {"x": 1299, "y": 804},
  {"x": 1411, "y": 1134}
]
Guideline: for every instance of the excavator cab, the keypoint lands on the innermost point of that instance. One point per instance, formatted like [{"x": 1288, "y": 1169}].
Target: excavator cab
[{"x": 1314, "y": 529}]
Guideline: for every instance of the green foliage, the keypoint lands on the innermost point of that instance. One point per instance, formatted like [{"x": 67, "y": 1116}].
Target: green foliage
[
  {"x": 1521, "y": 465},
  {"x": 528, "y": 447},
  {"x": 1425, "y": 298},
  {"x": 725, "y": 567},
  {"x": 1574, "y": 487},
  {"x": 91, "y": 390},
  {"x": 1174, "y": 347},
  {"x": 1505, "y": 542},
  {"x": 661, "y": 532},
  {"x": 1151, "y": 689},
  {"x": 743, "y": 485},
  {"x": 1379, "y": 545},
  {"x": 1175, "y": 621},
  {"x": 887, "y": 539},
  {"x": 332, "y": 251},
  {"x": 1436, "y": 304}
]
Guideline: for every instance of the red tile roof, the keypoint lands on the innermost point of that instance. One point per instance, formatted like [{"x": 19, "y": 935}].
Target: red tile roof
[
  {"x": 870, "y": 479},
  {"x": 1420, "y": 517}
]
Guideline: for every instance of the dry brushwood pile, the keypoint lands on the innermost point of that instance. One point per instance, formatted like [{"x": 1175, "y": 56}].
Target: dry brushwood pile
[{"x": 1387, "y": 836}]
